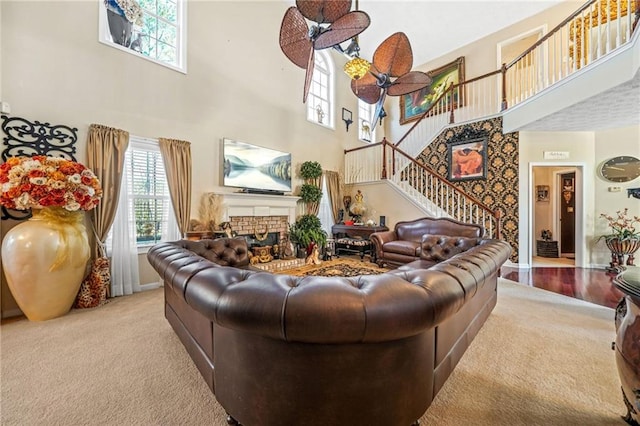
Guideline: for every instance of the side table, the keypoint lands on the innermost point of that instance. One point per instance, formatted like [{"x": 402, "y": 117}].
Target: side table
[{"x": 355, "y": 239}]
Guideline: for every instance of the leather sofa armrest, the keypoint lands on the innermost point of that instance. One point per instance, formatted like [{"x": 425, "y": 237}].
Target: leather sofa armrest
[{"x": 380, "y": 238}]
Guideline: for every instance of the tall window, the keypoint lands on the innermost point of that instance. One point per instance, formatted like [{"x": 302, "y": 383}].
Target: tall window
[
  {"x": 148, "y": 193},
  {"x": 320, "y": 99},
  {"x": 365, "y": 115},
  {"x": 153, "y": 29}
]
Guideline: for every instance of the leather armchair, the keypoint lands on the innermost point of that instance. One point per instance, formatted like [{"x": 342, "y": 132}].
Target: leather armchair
[{"x": 404, "y": 243}]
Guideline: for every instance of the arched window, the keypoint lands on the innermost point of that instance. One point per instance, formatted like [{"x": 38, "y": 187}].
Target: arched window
[
  {"x": 365, "y": 115},
  {"x": 320, "y": 107}
]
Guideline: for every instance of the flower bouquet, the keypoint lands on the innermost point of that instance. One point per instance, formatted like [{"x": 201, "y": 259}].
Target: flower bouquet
[{"x": 39, "y": 182}]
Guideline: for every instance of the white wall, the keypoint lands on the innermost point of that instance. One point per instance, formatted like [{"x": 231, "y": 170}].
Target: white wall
[
  {"x": 590, "y": 150},
  {"x": 239, "y": 84}
]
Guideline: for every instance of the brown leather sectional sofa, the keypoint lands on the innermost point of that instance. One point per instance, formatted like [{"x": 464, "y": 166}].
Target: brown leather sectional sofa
[
  {"x": 284, "y": 350},
  {"x": 403, "y": 244}
]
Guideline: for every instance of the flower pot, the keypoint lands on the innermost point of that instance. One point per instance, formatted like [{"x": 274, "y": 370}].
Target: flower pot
[
  {"x": 44, "y": 260},
  {"x": 620, "y": 248}
]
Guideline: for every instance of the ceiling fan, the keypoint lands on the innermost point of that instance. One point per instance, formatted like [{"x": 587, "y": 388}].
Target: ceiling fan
[
  {"x": 392, "y": 59},
  {"x": 334, "y": 24}
]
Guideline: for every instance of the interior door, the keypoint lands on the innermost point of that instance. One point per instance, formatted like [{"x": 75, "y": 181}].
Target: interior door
[{"x": 567, "y": 205}]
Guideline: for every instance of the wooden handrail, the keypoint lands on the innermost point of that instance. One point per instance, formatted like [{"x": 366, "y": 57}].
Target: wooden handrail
[
  {"x": 437, "y": 176},
  {"x": 371, "y": 145},
  {"x": 550, "y": 33},
  {"x": 451, "y": 88}
]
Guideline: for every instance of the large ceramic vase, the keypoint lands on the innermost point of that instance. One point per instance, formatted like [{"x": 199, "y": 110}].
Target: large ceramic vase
[
  {"x": 45, "y": 259},
  {"x": 627, "y": 350}
]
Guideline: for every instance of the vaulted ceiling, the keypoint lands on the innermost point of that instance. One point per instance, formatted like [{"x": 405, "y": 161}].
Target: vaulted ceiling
[{"x": 437, "y": 27}]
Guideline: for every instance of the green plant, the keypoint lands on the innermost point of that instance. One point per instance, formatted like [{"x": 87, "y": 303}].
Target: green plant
[
  {"x": 310, "y": 193},
  {"x": 310, "y": 170},
  {"x": 307, "y": 229}
]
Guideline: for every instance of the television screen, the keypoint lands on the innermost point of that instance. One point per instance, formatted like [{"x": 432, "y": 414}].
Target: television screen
[{"x": 254, "y": 167}]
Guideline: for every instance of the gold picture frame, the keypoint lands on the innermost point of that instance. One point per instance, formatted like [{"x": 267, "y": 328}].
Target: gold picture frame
[{"x": 414, "y": 104}]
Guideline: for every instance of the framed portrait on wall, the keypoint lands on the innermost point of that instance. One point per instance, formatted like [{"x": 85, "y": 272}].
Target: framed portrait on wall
[
  {"x": 542, "y": 193},
  {"x": 414, "y": 104},
  {"x": 468, "y": 159}
]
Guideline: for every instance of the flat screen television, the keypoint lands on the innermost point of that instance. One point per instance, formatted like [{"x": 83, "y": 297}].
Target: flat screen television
[{"x": 255, "y": 168}]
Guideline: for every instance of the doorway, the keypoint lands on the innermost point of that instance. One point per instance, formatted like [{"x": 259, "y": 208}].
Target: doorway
[
  {"x": 556, "y": 215},
  {"x": 567, "y": 215}
]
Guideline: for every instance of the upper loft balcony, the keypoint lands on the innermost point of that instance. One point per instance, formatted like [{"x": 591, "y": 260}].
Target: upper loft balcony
[{"x": 601, "y": 89}]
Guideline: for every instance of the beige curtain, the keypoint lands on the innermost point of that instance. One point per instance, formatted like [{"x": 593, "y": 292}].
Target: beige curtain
[
  {"x": 332, "y": 180},
  {"x": 106, "y": 147},
  {"x": 176, "y": 156}
]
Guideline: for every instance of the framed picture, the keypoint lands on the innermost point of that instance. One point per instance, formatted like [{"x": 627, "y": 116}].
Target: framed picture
[
  {"x": 542, "y": 193},
  {"x": 567, "y": 184},
  {"x": 468, "y": 160},
  {"x": 414, "y": 104}
]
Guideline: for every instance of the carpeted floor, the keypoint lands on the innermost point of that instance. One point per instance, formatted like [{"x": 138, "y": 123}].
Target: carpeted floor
[
  {"x": 343, "y": 267},
  {"x": 540, "y": 359}
]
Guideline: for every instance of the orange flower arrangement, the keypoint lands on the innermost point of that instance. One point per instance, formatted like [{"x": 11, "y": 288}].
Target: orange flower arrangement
[{"x": 38, "y": 182}]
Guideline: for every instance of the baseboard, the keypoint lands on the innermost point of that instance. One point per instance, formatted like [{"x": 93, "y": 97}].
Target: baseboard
[{"x": 11, "y": 313}]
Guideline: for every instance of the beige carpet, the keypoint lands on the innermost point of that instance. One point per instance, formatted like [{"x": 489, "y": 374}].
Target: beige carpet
[{"x": 541, "y": 359}]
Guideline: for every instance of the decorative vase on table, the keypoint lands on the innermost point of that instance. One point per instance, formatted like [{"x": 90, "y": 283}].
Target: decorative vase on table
[
  {"x": 624, "y": 239},
  {"x": 621, "y": 248},
  {"x": 45, "y": 258}
]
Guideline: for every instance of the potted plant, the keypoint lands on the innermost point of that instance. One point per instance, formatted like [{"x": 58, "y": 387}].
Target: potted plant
[
  {"x": 307, "y": 231},
  {"x": 310, "y": 170},
  {"x": 624, "y": 239}
]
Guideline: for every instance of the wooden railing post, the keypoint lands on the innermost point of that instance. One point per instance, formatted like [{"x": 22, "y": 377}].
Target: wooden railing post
[
  {"x": 498, "y": 216},
  {"x": 384, "y": 158},
  {"x": 452, "y": 118},
  {"x": 504, "y": 86}
]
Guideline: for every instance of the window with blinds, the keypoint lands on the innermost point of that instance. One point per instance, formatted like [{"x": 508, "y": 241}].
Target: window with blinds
[{"x": 148, "y": 191}]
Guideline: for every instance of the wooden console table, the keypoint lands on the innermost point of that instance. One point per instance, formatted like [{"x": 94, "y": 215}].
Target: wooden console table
[{"x": 355, "y": 239}]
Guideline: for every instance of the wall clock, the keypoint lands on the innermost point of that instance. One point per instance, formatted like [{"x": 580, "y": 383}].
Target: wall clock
[{"x": 620, "y": 169}]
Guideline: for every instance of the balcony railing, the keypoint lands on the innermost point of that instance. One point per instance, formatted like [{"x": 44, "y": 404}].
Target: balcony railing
[{"x": 595, "y": 30}]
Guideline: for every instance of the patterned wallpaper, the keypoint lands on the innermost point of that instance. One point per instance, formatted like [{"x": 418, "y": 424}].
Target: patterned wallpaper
[{"x": 500, "y": 189}]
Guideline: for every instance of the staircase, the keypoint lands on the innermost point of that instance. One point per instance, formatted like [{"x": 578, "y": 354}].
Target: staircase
[{"x": 596, "y": 32}]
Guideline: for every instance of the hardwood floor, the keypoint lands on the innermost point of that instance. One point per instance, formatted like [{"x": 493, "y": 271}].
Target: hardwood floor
[{"x": 593, "y": 285}]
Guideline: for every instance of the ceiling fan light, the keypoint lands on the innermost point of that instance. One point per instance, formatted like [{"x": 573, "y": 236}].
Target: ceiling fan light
[{"x": 356, "y": 68}]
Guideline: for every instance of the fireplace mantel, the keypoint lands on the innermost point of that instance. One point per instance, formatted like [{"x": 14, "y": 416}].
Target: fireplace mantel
[{"x": 242, "y": 204}]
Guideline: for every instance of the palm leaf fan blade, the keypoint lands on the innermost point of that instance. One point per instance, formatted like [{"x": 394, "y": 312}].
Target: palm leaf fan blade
[
  {"x": 394, "y": 56},
  {"x": 410, "y": 82},
  {"x": 366, "y": 89},
  {"x": 294, "y": 38},
  {"x": 344, "y": 28},
  {"x": 323, "y": 11}
]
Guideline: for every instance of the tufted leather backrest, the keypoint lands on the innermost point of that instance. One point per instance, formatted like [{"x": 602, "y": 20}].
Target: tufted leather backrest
[
  {"x": 323, "y": 310},
  {"x": 222, "y": 251},
  {"x": 441, "y": 247},
  {"x": 414, "y": 230}
]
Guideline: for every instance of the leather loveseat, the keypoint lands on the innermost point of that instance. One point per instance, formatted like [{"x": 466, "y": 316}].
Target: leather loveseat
[
  {"x": 285, "y": 350},
  {"x": 403, "y": 244}
]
